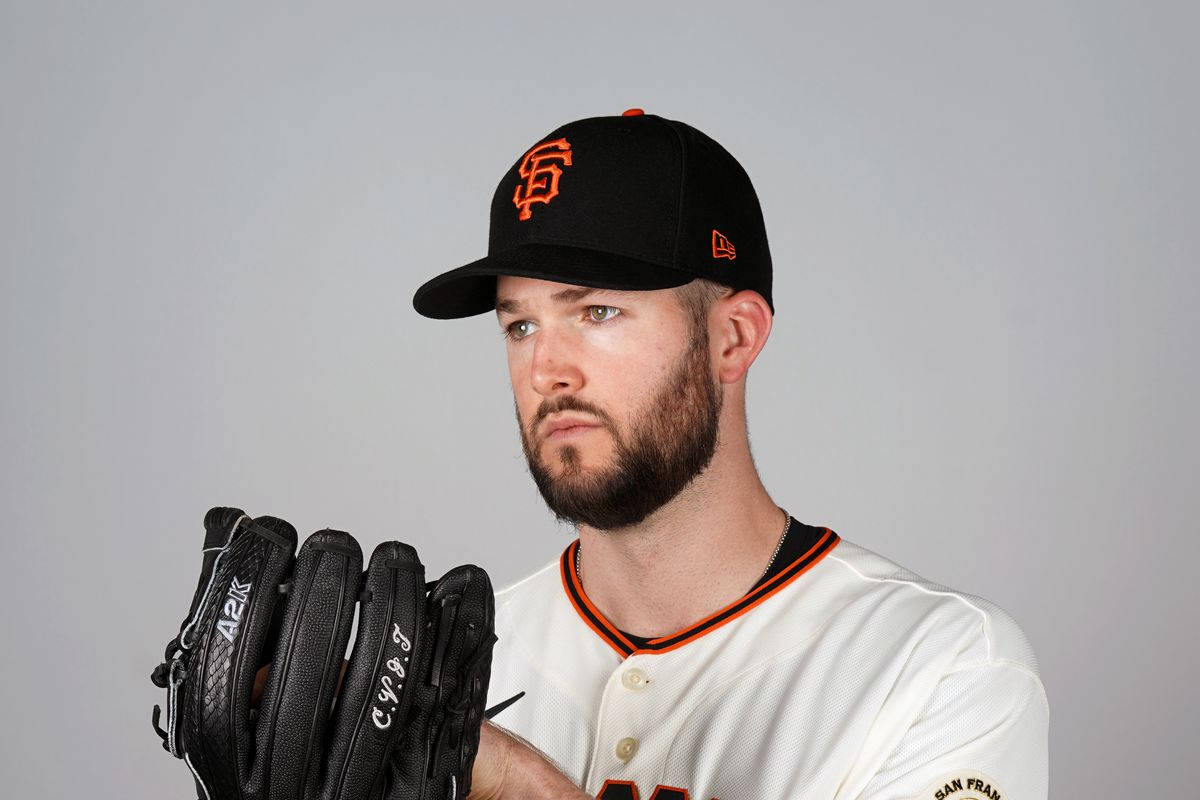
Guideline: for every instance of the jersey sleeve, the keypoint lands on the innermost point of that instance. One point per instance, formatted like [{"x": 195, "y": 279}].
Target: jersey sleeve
[{"x": 982, "y": 735}]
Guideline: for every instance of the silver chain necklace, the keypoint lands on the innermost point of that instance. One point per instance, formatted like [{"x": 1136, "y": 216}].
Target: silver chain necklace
[
  {"x": 778, "y": 544},
  {"x": 786, "y": 526}
]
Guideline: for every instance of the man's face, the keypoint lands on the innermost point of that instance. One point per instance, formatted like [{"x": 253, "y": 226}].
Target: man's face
[{"x": 615, "y": 396}]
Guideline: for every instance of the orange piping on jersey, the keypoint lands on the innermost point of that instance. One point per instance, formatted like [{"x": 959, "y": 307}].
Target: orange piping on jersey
[
  {"x": 568, "y": 574},
  {"x": 757, "y": 601},
  {"x": 610, "y": 634},
  {"x": 824, "y": 538}
]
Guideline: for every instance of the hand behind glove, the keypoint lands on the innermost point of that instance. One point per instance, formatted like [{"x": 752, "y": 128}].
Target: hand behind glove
[{"x": 406, "y": 723}]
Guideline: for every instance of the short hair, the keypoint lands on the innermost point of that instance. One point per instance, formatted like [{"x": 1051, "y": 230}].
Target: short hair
[{"x": 697, "y": 299}]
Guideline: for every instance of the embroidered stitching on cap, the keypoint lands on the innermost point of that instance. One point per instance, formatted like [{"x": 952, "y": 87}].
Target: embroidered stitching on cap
[
  {"x": 541, "y": 173},
  {"x": 722, "y": 247}
]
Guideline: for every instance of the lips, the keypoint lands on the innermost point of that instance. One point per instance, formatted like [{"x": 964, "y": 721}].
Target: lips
[{"x": 566, "y": 427}]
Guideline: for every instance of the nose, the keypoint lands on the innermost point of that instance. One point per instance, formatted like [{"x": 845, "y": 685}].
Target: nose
[{"x": 555, "y": 367}]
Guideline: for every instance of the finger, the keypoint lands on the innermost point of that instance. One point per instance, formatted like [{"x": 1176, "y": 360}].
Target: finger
[
  {"x": 373, "y": 705},
  {"x": 260, "y": 681},
  {"x": 315, "y": 626}
]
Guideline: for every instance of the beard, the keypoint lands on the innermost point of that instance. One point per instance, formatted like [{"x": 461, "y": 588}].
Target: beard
[{"x": 671, "y": 440}]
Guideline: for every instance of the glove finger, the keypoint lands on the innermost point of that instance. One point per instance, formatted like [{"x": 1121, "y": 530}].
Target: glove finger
[
  {"x": 315, "y": 627},
  {"x": 449, "y": 690},
  {"x": 220, "y": 524},
  {"x": 229, "y": 636},
  {"x": 373, "y": 705}
]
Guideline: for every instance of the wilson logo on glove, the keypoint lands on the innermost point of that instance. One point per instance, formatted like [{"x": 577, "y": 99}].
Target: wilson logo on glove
[{"x": 234, "y": 603}]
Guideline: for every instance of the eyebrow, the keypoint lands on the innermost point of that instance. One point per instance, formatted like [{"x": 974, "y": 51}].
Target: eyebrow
[{"x": 506, "y": 305}]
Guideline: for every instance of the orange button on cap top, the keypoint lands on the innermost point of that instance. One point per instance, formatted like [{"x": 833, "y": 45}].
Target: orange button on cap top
[{"x": 632, "y": 112}]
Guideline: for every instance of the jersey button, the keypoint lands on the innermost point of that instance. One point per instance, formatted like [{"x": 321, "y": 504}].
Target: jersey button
[
  {"x": 634, "y": 678},
  {"x": 626, "y": 748}
]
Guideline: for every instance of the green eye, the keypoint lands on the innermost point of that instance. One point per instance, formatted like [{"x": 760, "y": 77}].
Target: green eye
[
  {"x": 602, "y": 313},
  {"x": 519, "y": 329}
]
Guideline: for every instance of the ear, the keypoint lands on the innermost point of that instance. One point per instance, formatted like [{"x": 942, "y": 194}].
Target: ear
[{"x": 740, "y": 324}]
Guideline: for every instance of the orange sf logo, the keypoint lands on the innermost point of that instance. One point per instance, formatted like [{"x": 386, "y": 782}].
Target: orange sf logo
[{"x": 541, "y": 175}]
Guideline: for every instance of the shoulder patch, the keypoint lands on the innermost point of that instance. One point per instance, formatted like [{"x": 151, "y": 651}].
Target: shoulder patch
[{"x": 963, "y": 785}]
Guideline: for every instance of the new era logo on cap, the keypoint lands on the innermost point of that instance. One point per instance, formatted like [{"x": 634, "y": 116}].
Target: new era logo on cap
[{"x": 722, "y": 247}]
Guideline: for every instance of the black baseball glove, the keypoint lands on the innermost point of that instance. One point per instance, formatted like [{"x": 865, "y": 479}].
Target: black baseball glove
[{"x": 405, "y": 723}]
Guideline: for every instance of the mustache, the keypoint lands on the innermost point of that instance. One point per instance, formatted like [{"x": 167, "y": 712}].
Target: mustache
[{"x": 568, "y": 402}]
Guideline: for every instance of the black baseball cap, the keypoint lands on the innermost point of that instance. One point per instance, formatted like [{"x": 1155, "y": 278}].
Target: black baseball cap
[{"x": 633, "y": 201}]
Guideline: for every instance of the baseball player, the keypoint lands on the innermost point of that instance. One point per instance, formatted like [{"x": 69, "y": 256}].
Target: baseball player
[{"x": 696, "y": 640}]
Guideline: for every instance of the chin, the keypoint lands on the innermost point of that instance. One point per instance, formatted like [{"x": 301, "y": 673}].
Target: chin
[
  {"x": 567, "y": 461},
  {"x": 589, "y": 453}
]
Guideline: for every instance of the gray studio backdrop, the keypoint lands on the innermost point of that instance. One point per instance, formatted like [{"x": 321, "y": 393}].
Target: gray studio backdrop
[{"x": 212, "y": 218}]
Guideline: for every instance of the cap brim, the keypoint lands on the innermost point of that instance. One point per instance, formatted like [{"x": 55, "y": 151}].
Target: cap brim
[{"x": 471, "y": 289}]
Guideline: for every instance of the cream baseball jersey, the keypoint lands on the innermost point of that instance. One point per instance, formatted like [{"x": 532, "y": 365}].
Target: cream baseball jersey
[{"x": 841, "y": 675}]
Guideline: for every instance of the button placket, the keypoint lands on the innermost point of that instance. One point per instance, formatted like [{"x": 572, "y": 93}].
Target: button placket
[
  {"x": 634, "y": 679},
  {"x": 625, "y": 706}
]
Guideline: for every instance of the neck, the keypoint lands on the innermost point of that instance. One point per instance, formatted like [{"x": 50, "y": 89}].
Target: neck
[{"x": 693, "y": 556}]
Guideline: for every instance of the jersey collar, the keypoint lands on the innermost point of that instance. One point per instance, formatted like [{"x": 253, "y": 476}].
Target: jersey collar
[{"x": 591, "y": 615}]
